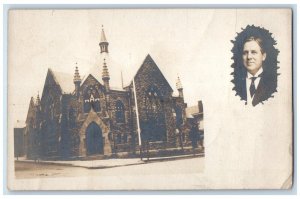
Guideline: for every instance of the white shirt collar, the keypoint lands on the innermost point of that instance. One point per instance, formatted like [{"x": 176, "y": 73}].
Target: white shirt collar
[{"x": 249, "y": 75}]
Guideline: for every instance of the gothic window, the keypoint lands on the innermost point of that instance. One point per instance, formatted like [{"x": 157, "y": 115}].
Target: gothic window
[
  {"x": 120, "y": 114},
  {"x": 153, "y": 125},
  {"x": 153, "y": 100},
  {"x": 91, "y": 99}
]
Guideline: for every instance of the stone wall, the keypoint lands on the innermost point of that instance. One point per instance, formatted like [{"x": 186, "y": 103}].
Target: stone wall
[{"x": 148, "y": 76}]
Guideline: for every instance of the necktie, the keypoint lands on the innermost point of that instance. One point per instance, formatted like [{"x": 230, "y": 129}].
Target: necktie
[{"x": 252, "y": 86}]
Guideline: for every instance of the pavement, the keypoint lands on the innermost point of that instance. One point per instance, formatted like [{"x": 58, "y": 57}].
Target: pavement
[{"x": 110, "y": 163}]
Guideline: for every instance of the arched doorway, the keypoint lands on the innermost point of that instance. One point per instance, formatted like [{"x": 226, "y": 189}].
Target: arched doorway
[{"x": 94, "y": 139}]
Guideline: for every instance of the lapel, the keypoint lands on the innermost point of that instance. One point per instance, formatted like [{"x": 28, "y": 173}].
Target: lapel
[
  {"x": 260, "y": 92},
  {"x": 244, "y": 89}
]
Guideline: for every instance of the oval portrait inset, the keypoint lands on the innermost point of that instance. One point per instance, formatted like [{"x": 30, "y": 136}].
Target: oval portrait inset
[{"x": 255, "y": 65}]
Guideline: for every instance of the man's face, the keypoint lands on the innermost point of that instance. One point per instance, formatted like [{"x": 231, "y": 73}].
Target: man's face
[{"x": 253, "y": 57}]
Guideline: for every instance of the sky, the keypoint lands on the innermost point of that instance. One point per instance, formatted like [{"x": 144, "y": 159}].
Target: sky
[{"x": 193, "y": 44}]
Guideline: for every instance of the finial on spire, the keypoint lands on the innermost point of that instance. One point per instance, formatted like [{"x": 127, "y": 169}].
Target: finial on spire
[
  {"x": 179, "y": 87},
  {"x": 103, "y": 42},
  {"x": 38, "y": 101},
  {"x": 76, "y": 75},
  {"x": 178, "y": 83},
  {"x": 103, "y": 37},
  {"x": 105, "y": 73}
]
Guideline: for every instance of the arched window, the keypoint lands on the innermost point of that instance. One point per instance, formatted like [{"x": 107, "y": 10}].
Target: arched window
[
  {"x": 91, "y": 99},
  {"x": 120, "y": 114},
  {"x": 153, "y": 125}
]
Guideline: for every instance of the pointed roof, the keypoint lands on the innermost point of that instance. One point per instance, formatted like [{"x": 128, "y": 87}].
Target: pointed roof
[
  {"x": 31, "y": 112},
  {"x": 178, "y": 84},
  {"x": 31, "y": 103},
  {"x": 103, "y": 37},
  {"x": 64, "y": 80},
  {"x": 149, "y": 60},
  {"x": 90, "y": 76},
  {"x": 76, "y": 75}
]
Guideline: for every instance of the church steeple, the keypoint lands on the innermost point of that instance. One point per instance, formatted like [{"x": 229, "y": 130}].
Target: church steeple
[
  {"x": 105, "y": 76},
  {"x": 103, "y": 42},
  {"x": 179, "y": 87},
  {"x": 77, "y": 80},
  {"x": 38, "y": 101}
]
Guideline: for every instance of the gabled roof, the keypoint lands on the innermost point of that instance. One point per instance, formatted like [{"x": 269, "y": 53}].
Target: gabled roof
[
  {"x": 153, "y": 64},
  {"x": 64, "y": 80},
  {"x": 31, "y": 110},
  {"x": 90, "y": 76}
]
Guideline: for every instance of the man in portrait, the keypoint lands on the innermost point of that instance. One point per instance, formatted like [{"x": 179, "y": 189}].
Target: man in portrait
[{"x": 255, "y": 65}]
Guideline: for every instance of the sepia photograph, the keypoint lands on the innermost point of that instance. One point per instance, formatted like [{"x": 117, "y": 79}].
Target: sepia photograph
[
  {"x": 254, "y": 45},
  {"x": 149, "y": 99}
]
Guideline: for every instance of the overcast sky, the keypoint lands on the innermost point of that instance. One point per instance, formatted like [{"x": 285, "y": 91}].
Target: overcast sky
[{"x": 193, "y": 43}]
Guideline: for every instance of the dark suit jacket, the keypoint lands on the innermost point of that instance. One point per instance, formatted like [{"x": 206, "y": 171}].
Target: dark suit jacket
[{"x": 263, "y": 92}]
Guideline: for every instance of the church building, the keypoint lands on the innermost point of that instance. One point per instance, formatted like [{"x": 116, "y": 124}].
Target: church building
[{"x": 90, "y": 116}]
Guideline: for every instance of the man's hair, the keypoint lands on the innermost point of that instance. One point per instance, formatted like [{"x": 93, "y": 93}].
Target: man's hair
[
  {"x": 266, "y": 42},
  {"x": 259, "y": 41}
]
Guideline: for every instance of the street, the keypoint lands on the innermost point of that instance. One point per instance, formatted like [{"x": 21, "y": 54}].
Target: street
[{"x": 170, "y": 174}]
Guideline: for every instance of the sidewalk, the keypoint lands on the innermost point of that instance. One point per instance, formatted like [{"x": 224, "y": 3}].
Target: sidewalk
[{"x": 110, "y": 163}]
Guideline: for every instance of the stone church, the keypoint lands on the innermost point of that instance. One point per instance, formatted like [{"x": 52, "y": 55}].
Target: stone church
[{"x": 82, "y": 117}]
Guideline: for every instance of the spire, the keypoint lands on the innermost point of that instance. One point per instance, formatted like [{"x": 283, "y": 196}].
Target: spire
[
  {"x": 105, "y": 75},
  {"x": 103, "y": 42},
  {"x": 178, "y": 83},
  {"x": 103, "y": 38},
  {"x": 76, "y": 75},
  {"x": 38, "y": 101},
  {"x": 179, "y": 87},
  {"x": 31, "y": 103},
  {"x": 77, "y": 80}
]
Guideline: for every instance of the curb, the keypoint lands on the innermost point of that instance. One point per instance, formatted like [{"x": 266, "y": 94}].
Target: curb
[{"x": 144, "y": 161}]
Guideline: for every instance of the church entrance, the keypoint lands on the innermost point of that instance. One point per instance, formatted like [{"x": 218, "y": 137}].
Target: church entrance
[{"x": 94, "y": 139}]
